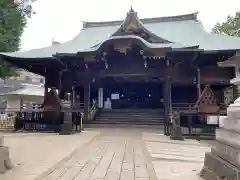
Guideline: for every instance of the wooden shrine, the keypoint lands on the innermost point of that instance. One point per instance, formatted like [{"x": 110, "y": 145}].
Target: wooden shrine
[{"x": 207, "y": 102}]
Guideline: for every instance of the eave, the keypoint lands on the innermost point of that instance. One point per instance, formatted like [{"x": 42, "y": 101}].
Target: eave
[
  {"x": 233, "y": 61},
  {"x": 35, "y": 65},
  {"x": 131, "y": 39}
]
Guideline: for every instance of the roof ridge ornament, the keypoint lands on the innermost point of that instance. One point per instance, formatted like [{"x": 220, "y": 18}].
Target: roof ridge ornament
[
  {"x": 132, "y": 25},
  {"x": 131, "y": 20},
  {"x": 131, "y": 10}
]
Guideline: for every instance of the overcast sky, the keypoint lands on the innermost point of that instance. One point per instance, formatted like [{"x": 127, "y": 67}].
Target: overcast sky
[{"x": 61, "y": 20}]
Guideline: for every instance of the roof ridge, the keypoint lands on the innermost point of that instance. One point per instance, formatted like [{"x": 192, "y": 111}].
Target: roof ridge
[{"x": 184, "y": 17}]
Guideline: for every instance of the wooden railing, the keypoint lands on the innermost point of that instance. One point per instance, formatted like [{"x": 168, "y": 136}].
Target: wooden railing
[
  {"x": 36, "y": 121},
  {"x": 194, "y": 123},
  {"x": 182, "y": 105},
  {"x": 39, "y": 119}
]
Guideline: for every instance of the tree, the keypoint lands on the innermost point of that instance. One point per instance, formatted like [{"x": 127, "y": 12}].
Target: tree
[
  {"x": 230, "y": 27},
  {"x": 13, "y": 18}
]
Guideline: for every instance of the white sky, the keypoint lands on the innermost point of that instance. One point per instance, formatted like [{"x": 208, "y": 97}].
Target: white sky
[{"x": 61, "y": 20}]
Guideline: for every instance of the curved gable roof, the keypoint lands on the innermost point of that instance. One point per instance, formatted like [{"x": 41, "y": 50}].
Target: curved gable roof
[{"x": 133, "y": 26}]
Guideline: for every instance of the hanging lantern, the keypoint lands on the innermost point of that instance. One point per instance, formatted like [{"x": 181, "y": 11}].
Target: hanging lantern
[
  {"x": 106, "y": 65},
  {"x": 194, "y": 80},
  {"x": 145, "y": 63},
  {"x": 105, "y": 53}
]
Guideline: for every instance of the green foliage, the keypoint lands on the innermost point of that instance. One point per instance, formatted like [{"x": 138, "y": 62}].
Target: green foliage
[
  {"x": 13, "y": 18},
  {"x": 230, "y": 27}
]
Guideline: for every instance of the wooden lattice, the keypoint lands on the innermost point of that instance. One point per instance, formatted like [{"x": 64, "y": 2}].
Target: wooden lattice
[{"x": 207, "y": 102}]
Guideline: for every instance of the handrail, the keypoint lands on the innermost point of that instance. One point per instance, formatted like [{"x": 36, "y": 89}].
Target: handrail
[{"x": 92, "y": 112}]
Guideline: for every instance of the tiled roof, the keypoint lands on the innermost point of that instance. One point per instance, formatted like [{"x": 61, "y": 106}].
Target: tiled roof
[
  {"x": 185, "y": 17},
  {"x": 182, "y": 31}
]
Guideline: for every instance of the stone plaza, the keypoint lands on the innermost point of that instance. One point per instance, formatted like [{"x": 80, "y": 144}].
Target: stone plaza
[{"x": 104, "y": 154}]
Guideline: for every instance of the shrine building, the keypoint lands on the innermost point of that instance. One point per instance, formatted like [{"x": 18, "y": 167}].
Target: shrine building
[{"x": 160, "y": 63}]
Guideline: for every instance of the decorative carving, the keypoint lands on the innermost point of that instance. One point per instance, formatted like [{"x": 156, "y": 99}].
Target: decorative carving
[
  {"x": 122, "y": 48},
  {"x": 207, "y": 102},
  {"x": 131, "y": 26},
  {"x": 159, "y": 52},
  {"x": 130, "y": 23},
  {"x": 90, "y": 58}
]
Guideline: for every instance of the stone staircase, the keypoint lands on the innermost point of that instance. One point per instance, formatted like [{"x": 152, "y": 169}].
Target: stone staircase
[{"x": 130, "y": 117}]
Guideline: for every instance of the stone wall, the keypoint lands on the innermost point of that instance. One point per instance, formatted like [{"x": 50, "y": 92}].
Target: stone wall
[{"x": 223, "y": 162}]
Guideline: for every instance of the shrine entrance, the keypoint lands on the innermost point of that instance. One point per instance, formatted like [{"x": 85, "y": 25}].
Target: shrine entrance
[{"x": 133, "y": 95}]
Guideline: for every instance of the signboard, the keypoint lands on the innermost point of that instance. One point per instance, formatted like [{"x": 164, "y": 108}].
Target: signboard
[{"x": 114, "y": 96}]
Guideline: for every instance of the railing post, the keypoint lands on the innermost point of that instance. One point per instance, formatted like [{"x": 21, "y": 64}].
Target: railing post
[{"x": 81, "y": 122}]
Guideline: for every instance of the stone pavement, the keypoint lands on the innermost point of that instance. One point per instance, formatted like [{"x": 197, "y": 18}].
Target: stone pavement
[
  {"x": 131, "y": 154},
  {"x": 34, "y": 153},
  {"x": 175, "y": 160}
]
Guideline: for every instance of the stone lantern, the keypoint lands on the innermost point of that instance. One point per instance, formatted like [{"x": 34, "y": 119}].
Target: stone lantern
[
  {"x": 223, "y": 162},
  {"x": 5, "y": 162}
]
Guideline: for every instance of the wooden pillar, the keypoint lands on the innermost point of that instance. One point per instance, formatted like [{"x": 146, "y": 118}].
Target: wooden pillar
[
  {"x": 45, "y": 84},
  {"x": 45, "y": 90},
  {"x": 167, "y": 104},
  {"x": 60, "y": 89},
  {"x": 170, "y": 93},
  {"x": 86, "y": 101},
  {"x": 167, "y": 98},
  {"x": 198, "y": 83},
  {"x": 73, "y": 96}
]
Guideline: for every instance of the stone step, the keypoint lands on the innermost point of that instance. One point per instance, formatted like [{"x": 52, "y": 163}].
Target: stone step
[
  {"x": 226, "y": 152},
  {"x": 130, "y": 122},
  {"x": 217, "y": 168},
  {"x": 119, "y": 121},
  {"x": 132, "y": 110},
  {"x": 159, "y": 126},
  {"x": 130, "y": 118},
  {"x": 130, "y": 114},
  {"x": 226, "y": 136}
]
